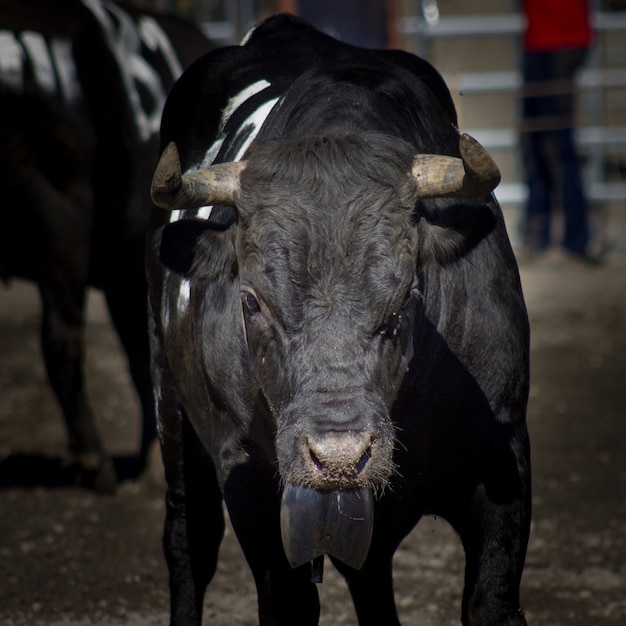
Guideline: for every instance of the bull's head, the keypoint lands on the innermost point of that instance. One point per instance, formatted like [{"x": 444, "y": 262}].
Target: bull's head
[{"x": 327, "y": 251}]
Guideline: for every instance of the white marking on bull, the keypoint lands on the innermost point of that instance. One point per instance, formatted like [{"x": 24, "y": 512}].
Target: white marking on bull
[
  {"x": 12, "y": 57},
  {"x": 125, "y": 42},
  {"x": 165, "y": 304},
  {"x": 37, "y": 51},
  {"x": 54, "y": 67},
  {"x": 255, "y": 121},
  {"x": 61, "y": 49},
  {"x": 204, "y": 212},
  {"x": 213, "y": 151},
  {"x": 236, "y": 101},
  {"x": 184, "y": 290},
  {"x": 52, "y": 64},
  {"x": 165, "y": 315},
  {"x": 155, "y": 39},
  {"x": 252, "y": 124},
  {"x": 176, "y": 307},
  {"x": 174, "y": 216},
  {"x": 247, "y": 36}
]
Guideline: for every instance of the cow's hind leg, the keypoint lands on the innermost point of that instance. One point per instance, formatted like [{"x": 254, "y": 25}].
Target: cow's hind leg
[
  {"x": 494, "y": 525},
  {"x": 194, "y": 523},
  {"x": 62, "y": 277},
  {"x": 63, "y": 349},
  {"x": 126, "y": 297}
]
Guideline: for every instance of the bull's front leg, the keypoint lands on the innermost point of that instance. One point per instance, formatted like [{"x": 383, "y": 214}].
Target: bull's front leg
[
  {"x": 286, "y": 596},
  {"x": 194, "y": 523},
  {"x": 372, "y": 592},
  {"x": 372, "y": 586},
  {"x": 494, "y": 528}
]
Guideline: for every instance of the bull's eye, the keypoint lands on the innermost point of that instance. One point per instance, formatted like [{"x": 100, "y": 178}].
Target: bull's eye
[
  {"x": 250, "y": 303},
  {"x": 391, "y": 326},
  {"x": 405, "y": 303}
]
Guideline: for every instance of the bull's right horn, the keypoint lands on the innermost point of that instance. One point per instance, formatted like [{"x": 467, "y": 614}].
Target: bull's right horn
[
  {"x": 474, "y": 175},
  {"x": 171, "y": 189}
]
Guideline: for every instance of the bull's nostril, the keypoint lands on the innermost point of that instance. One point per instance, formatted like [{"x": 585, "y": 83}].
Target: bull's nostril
[
  {"x": 339, "y": 453},
  {"x": 315, "y": 460},
  {"x": 367, "y": 455}
]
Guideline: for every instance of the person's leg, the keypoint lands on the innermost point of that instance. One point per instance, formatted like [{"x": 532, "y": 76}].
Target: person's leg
[
  {"x": 536, "y": 231},
  {"x": 536, "y": 226},
  {"x": 575, "y": 206}
]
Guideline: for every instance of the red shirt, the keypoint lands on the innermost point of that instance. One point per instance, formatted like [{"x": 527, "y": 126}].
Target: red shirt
[{"x": 556, "y": 25}]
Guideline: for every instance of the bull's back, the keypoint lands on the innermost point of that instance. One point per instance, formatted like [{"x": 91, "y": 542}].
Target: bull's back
[
  {"x": 82, "y": 87},
  {"x": 279, "y": 58}
]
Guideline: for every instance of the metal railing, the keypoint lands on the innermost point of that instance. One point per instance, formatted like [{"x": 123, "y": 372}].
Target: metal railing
[{"x": 597, "y": 140}]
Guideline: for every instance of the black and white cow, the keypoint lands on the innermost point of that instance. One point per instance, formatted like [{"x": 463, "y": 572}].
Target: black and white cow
[
  {"x": 340, "y": 341},
  {"x": 82, "y": 89}
]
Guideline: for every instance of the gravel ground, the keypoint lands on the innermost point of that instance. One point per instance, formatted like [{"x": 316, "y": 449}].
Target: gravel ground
[{"x": 71, "y": 557}]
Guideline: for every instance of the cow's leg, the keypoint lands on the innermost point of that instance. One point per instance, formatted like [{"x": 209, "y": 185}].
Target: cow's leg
[
  {"x": 64, "y": 238},
  {"x": 126, "y": 298},
  {"x": 494, "y": 525},
  {"x": 372, "y": 586},
  {"x": 372, "y": 592},
  {"x": 286, "y": 596},
  {"x": 63, "y": 349},
  {"x": 194, "y": 523}
]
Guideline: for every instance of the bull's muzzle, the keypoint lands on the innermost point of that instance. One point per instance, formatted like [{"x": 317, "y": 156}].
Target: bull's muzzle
[
  {"x": 338, "y": 459},
  {"x": 330, "y": 509},
  {"x": 331, "y": 468}
]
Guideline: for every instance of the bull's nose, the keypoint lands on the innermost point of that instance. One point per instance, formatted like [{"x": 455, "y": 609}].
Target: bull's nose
[{"x": 344, "y": 452}]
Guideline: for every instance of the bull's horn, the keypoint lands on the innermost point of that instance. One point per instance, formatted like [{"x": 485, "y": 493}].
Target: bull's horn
[
  {"x": 171, "y": 189},
  {"x": 474, "y": 175}
]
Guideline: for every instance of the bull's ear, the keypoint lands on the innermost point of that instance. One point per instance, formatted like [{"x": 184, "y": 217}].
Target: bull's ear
[
  {"x": 197, "y": 248},
  {"x": 449, "y": 229}
]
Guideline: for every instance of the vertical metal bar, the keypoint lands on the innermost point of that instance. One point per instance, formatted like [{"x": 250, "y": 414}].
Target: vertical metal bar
[{"x": 594, "y": 103}]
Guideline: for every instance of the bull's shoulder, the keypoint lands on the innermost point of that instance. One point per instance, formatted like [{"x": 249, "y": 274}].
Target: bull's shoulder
[
  {"x": 425, "y": 73},
  {"x": 297, "y": 46},
  {"x": 279, "y": 50},
  {"x": 293, "y": 42},
  {"x": 217, "y": 83}
]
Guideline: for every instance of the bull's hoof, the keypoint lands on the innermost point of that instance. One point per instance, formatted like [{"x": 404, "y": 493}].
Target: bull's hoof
[{"x": 92, "y": 471}]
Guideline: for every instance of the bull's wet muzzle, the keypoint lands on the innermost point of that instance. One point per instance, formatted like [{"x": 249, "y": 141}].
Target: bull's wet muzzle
[
  {"x": 337, "y": 523},
  {"x": 340, "y": 456}
]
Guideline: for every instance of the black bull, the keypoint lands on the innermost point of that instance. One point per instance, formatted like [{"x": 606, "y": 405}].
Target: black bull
[
  {"x": 82, "y": 89},
  {"x": 340, "y": 342}
]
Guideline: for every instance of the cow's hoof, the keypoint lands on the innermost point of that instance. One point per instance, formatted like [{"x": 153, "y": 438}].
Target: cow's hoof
[
  {"x": 92, "y": 471},
  {"x": 155, "y": 471},
  {"x": 519, "y": 620}
]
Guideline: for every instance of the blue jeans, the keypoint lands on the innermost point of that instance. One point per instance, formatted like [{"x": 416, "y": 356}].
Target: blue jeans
[{"x": 553, "y": 172}]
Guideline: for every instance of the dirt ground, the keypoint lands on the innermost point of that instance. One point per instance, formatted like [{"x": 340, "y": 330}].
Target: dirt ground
[{"x": 71, "y": 557}]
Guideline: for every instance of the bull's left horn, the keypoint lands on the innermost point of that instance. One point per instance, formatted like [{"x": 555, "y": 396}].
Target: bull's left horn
[
  {"x": 171, "y": 189},
  {"x": 474, "y": 175}
]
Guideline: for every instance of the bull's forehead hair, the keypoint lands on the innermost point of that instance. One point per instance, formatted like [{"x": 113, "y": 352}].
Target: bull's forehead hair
[
  {"x": 335, "y": 166},
  {"x": 328, "y": 218}
]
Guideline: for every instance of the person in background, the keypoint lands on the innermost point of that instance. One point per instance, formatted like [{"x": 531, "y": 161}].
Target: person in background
[
  {"x": 365, "y": 23},
  {"x": 556, "y": 41}
]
